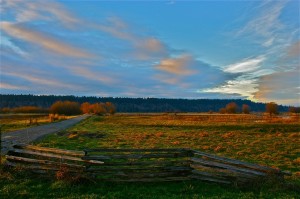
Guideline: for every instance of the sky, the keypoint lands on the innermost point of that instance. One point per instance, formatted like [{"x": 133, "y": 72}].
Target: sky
[{"x": 163, "y": 49}]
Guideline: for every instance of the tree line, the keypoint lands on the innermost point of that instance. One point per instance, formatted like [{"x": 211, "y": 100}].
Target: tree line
[
  {"x": 66, "y": 108},
  {"x": 271, "y": 108},
  {"x": 123, "y": 104}
]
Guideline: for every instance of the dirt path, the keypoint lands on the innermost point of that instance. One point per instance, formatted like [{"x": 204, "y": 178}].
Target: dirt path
[{"x": 28, "y": 135}]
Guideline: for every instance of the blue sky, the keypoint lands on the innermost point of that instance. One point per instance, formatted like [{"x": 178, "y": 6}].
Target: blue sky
[{"x": 164, "y": 49}]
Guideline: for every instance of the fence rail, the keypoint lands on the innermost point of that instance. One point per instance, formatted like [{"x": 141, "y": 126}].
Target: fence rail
[{"x": 140, "y": 165}]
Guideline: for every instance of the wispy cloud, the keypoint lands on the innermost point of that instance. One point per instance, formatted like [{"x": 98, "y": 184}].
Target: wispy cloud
[
  {"x": 12, "y": 87},
  {"x": 266, "y": 24},
  {"x": 43, "y": 40},
  {"x": 144, "y": 47},
  {"x": 38, "y": 80},
  {"x": 27, "y": 11},
  {"x": 246, "y": 65},
  {"x": 6, "y": 42}
]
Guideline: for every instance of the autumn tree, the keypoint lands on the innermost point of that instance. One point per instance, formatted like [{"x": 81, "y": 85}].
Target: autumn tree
[
  {"x": 86, "y": 107},
  {"x": 232, "y": 107},
  {"x": 272, "y": 108},
  {"x": 98, "y": 108},
  {"x": 65, "y": 108},
  {"x": 245, "y": 109}
]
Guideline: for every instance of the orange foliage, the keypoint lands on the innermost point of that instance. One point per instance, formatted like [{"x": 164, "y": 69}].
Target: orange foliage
[{"x": 98, "y": 108}]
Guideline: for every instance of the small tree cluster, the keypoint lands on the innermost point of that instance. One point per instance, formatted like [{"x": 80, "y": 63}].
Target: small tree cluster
[
  {"x": 98, "y": 108},
  {"x": 65, "y": 108},
  {"x": 232, "y": 107}
]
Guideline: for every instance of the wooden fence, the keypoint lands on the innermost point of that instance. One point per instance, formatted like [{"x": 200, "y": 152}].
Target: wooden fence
[{"x": 142, "y": 165}]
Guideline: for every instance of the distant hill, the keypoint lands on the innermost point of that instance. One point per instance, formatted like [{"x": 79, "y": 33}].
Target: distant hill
[{"x": 135, "y": 104}]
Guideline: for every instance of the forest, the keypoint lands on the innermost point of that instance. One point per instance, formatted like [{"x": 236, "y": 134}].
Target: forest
[{"x": 124, "y": 104}]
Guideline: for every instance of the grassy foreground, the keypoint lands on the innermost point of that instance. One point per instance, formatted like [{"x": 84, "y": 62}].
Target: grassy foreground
[{"x": 270, "y": 144}]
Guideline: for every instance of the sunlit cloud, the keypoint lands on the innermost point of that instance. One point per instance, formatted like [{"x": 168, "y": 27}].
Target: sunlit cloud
[
  {"x": 245, "y": 65},
  {"x": 243, "y": 87},
  {"x": 282, "y": 87},
  {"x": 177, "y": 66}
]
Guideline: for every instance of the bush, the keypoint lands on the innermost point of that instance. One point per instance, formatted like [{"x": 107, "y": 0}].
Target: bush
[
  {"x": 98, "y": 108},
  {"x": 65, "y": 108}
]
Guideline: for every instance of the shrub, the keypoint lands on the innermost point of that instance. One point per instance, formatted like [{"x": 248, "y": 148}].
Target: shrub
[
  {"x": 65, "y": 108},
  {"x": 98, "y": 108}
]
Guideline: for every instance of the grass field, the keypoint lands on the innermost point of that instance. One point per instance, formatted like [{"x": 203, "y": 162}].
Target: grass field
[{"x": 275, "y": 145}]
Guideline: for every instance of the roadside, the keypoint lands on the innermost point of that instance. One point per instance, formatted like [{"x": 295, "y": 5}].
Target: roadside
[{"x": 29, "y": 135}]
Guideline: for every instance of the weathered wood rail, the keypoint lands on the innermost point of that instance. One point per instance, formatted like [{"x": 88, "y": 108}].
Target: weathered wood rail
[{"x": 143, "y": 165}]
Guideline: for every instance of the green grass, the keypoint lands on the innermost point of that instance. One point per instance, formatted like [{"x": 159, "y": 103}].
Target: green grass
[
  {"x": 25, "y": 185},
  {"x": 275, "y": 145}
]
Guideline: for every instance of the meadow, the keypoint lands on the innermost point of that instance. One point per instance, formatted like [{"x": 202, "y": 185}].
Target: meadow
[{"x": 270, "y": 142}]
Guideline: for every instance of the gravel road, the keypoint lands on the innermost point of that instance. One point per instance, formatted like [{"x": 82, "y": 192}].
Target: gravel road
[{"x": 28, "y": 135}]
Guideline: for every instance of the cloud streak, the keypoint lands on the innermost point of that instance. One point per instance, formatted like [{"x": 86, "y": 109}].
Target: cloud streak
[
  {"x": 266, "y": 25},
  {"x": 246, "y": 65},
  {"x": 27, "y": 11},
  {"x": 12, "y": 87},
  {"x": 43, "y": 40}
]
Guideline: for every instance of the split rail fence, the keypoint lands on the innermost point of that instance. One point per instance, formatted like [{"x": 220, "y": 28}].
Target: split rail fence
[{"x": 142, "y": 165}]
